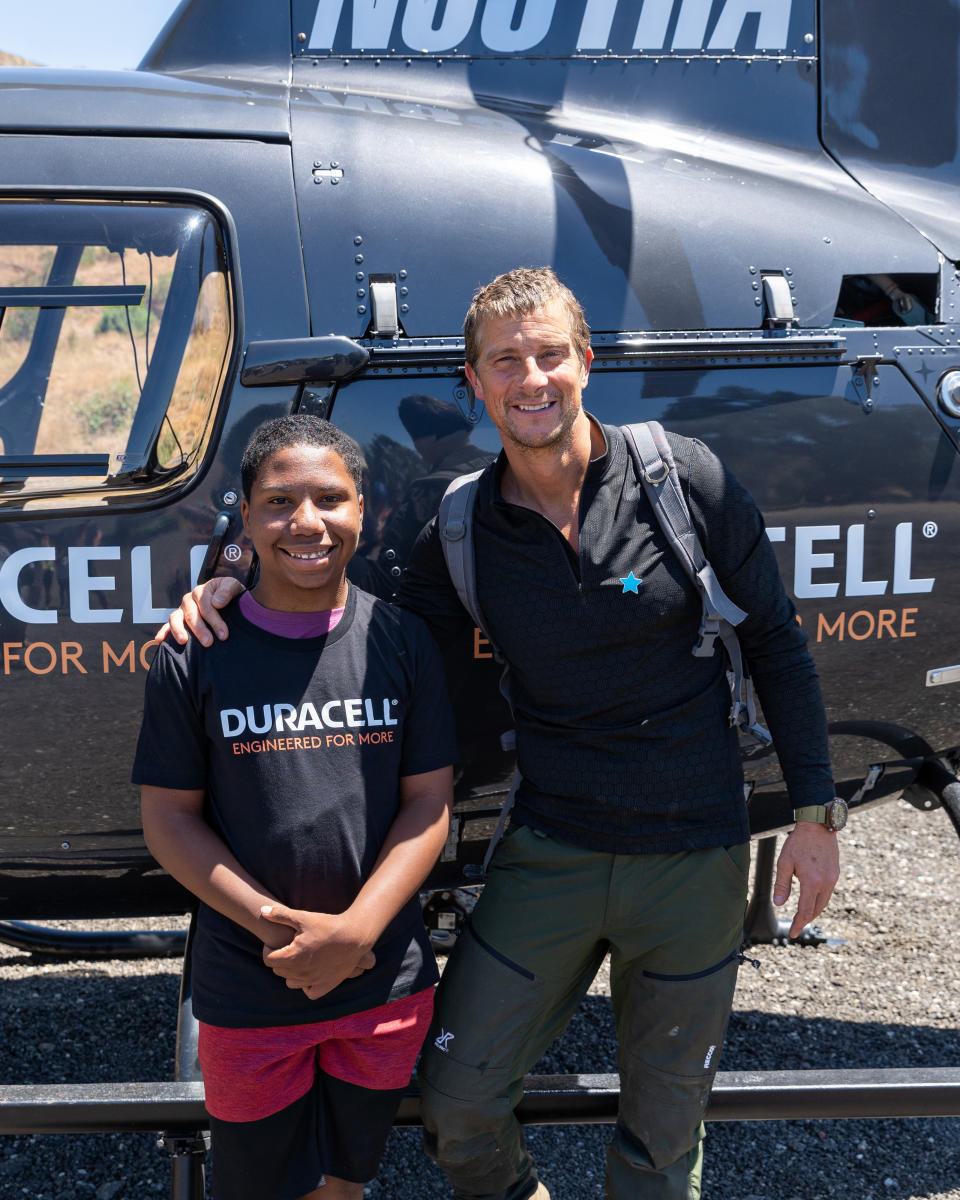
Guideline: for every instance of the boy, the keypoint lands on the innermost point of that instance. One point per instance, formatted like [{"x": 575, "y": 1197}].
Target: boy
[{"x": 298, "y": 782}]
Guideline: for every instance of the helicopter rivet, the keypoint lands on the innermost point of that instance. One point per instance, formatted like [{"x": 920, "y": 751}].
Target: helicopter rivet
[
  {"x": 230, "y": 497},
  {"x": 360, "y": 277},
  {"x": 757, "y": 301},
  {"x": 753, "y": 270},
  {"x": 301, "y": 37},
  {"x": 871, "y": 514},
  {"x": 361, "y": 292},
  {"x": 64, "y": 845},
  {"x": 404, "y": 308},
  {"x": 404, "y": 291},
  {"x": 358, "y": 240},
  {"x": 755, "y": 286},
  {"x": 361, "y": 309},
  {"x": 358, "y": 259},
  {"x": 317, "y": 166},
  {"x": 403, "y": 273},
  {"x": 334, "y": 166}
]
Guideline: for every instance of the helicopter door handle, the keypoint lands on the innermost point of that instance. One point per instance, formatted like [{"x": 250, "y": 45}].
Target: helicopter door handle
[{"x": 221, "y": 527}]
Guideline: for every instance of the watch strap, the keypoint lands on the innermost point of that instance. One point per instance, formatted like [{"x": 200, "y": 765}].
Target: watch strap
[{"x": 811, "y": 812}]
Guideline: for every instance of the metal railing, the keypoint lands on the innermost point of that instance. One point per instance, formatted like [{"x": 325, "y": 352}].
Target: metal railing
[{"x": 177, "y": 1108}]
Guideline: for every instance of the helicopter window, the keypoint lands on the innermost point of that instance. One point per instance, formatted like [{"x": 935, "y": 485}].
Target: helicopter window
[
  {"x": 415, "y": 435},
  {"x": 887, "y": 300},
  {"x": 116, "y": 327}
]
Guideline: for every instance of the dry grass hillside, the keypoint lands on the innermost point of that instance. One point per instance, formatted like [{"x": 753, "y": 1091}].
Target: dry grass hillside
[{"x": 14, "y": 60}]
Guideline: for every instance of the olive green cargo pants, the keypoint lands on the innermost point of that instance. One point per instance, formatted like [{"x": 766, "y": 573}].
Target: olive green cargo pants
[{"x": 549, "y": 913}]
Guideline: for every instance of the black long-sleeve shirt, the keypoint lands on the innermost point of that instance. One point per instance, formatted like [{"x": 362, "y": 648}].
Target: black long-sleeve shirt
[{"x": 623, "y": 736}]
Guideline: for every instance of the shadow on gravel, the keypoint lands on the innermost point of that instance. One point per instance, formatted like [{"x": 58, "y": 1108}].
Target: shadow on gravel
[
  {"x": 765, "y": 1041},
  {"x": 82, "y": 1028},
  {"x": 71, "y": 1028},
  {"x": 789, "y": 1160}
]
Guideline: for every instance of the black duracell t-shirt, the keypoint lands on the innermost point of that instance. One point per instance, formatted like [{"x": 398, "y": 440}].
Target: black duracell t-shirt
[{"x": 299, "y": 746}]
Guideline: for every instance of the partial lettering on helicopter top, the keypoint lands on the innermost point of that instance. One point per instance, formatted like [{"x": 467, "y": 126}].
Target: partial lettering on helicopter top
[{"x": 553, "y": 28}]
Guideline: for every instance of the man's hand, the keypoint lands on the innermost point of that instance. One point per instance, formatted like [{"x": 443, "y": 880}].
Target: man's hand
[
  {"x": 811, "y": 853},
  {"x": 198, "y": 613},
  {"x": 325, "y": 950}
]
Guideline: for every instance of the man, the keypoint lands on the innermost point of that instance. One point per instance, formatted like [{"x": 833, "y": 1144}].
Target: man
[{"x": 630, "y": 830}]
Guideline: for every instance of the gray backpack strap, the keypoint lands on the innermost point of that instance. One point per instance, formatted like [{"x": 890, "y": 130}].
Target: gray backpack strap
[
  {"x": 653, "y": 458},
  {"x": 502, "y": 823},
  {"x": 455, "y": 521}
]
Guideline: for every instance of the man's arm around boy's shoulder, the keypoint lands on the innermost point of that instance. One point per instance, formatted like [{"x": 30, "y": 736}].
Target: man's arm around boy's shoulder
[{"x": 327, "y": 948}]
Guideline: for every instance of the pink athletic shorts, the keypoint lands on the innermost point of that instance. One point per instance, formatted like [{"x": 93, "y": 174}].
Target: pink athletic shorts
[{"x": 249, "y": 1074}]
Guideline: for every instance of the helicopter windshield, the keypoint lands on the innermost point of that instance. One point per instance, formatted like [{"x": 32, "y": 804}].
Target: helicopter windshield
[{"x": 115, "y": 331}]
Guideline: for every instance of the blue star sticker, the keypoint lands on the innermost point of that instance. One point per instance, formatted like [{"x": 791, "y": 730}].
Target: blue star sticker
[{"x": 631, "y": 583}]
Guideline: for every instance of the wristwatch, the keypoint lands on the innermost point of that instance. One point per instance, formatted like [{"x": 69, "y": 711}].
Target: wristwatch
[{"x": 832, "y": 816}]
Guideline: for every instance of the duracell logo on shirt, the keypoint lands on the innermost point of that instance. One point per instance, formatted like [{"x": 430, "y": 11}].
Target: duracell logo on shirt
[{"x": 335, "y": 714}]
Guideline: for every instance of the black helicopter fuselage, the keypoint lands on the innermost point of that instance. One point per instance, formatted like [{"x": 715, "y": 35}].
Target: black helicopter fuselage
[{"x": 288, "y": 207}]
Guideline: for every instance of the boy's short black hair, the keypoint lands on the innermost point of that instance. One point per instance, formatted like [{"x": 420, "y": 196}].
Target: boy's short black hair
[{"x": 298, "y": 429}]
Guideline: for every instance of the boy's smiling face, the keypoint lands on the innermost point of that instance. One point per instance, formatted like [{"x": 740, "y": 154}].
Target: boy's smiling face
[{"x": 303, "y": 517}]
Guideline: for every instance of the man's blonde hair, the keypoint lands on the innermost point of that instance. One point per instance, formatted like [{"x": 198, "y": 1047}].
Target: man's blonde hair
[{"x": 515, "y": 293}]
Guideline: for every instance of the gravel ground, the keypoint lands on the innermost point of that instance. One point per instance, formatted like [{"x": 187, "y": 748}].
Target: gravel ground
[{"x": 886, "y": 996}]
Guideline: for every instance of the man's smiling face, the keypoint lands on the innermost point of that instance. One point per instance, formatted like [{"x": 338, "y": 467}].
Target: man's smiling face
[
  {"x": 529, "y": 377},
  {"x": 303, "y": 518}
]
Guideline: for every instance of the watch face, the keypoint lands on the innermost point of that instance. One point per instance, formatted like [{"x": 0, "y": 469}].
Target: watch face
[{"x": 836, "y": 814}]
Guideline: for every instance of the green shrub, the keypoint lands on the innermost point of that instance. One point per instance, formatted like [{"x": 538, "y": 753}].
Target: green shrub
[
  {"x": 18, "y": 323},
  {"x": 111, "y": 409}
]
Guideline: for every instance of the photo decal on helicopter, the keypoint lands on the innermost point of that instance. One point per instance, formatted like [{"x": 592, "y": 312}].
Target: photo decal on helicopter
[{"x": 506, "y": 27}]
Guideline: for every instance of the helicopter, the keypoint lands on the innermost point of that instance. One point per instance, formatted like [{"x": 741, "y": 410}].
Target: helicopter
[{"x": 287, "y": 207}]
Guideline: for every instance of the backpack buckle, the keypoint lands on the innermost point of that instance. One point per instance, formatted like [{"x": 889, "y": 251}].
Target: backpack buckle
[
  {"x": 706, "y": 638},
  {"x": 656, "y": 476}
]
